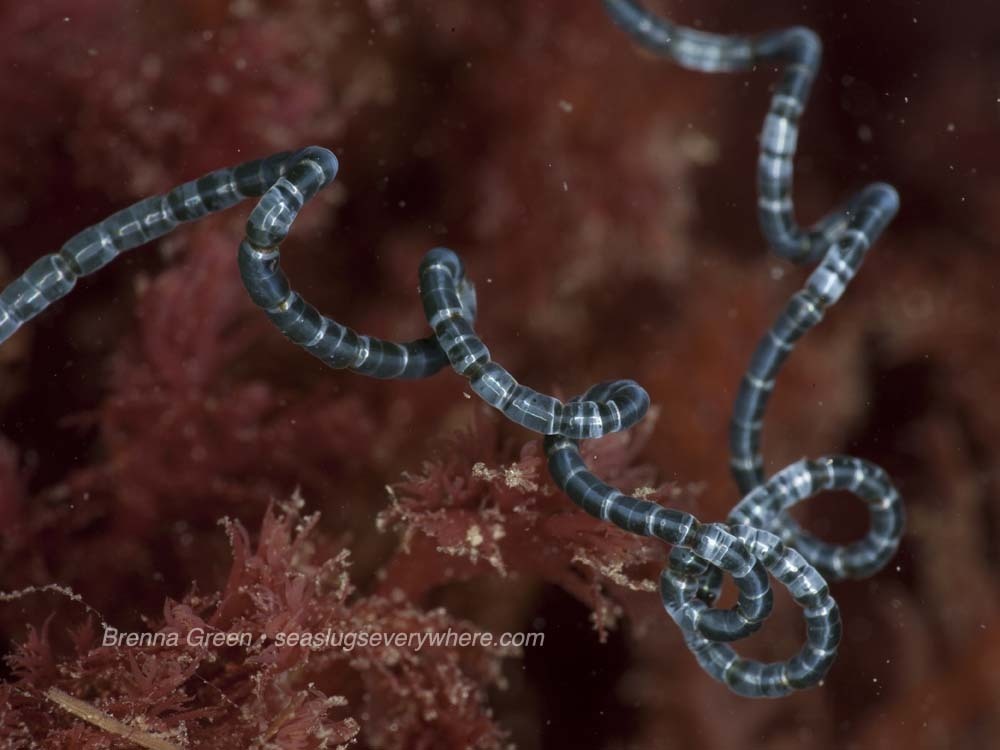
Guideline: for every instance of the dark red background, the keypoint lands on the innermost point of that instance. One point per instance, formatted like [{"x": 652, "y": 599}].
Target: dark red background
[{"x": 603, "y": 201}]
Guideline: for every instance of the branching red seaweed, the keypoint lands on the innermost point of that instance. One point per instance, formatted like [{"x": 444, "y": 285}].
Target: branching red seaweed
[{"x": 603, "y": 202}]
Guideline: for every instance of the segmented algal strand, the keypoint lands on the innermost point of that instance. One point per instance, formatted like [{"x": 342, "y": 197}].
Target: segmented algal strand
[
  {"x": 691, "y": 582},
  {"x": 759, "y": 539},
  {"x": 841, "y": 238},
  {"x": 283, "y": 182},
  {"x": 797, "y": 51},
  {"x": 823, "y": 288},
  {"x": 621, "y": 405},
  {"x": 332, "y": 343},
  {"x": 688, "y": 588},
  {"x": 53, "y": 276},
  {"x": 767, "y": 506}
]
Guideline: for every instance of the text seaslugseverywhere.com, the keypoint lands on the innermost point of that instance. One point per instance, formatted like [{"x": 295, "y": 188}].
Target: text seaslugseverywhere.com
[{"x": 320, "y": 640}]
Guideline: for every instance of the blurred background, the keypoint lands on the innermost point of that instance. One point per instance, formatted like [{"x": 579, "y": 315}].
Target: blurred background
[{"x": 603, "y": 201}]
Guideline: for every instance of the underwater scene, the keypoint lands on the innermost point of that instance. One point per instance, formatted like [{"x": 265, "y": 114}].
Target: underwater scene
[{"x": 450, "y": 375}]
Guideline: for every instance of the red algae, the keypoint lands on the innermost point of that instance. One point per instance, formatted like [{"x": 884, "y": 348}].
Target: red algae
[{"x": 590, "y": 189}]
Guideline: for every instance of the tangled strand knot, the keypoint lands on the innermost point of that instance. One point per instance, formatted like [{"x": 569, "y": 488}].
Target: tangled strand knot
[{"x": 759, "y": 539}]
